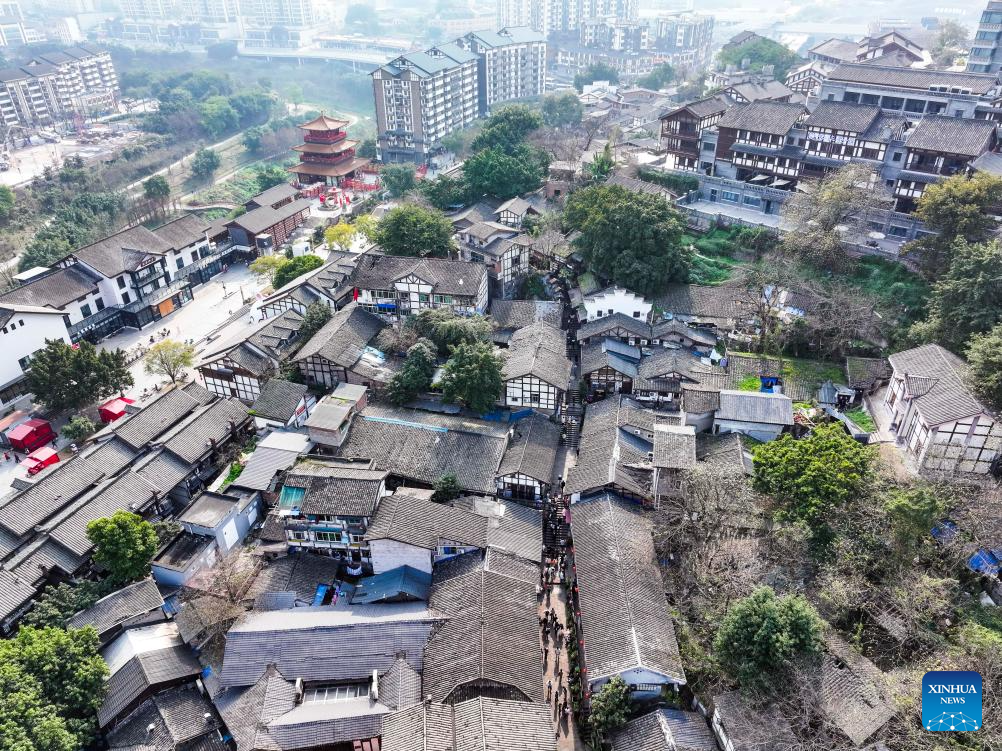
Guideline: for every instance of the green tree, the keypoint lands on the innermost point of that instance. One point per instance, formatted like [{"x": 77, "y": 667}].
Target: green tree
[
  {"x": 658, "y": 78},
  {"x": 252, "y": 138},
  {"x": 60, "y": 602},
  {"x": 316, "y": 315},
  {"x": 414, "y": 376},
  {"x": 760, "y": 51},
  {"x": 472, "y": 377},
  {"x": 64, "y": 377},
  {"x": 561, "y": 109},
  {"x": 7, "y": 202},
  {"x": 762, "y": 633},
  {"x": 398, "y": 178},
  {"x": 221, "y": 51},
  {"x": 507, "y": 127},
  {"x": 28, "y": 721},
  {"x": 446, "y": 488},
  {"x": 265, "y": 267},
  {"x": 959, "y": 208},
  {"x": 632, "y": 239},
  {"x": 952, "y": 40},
  {"x": 78, "y": 427},
  {"x": 412, "y": 230},
  {"x": 217, "y": 116},
  {"x": 124, "y": 544},
  {"x": 205, "y": 163},
  {"x": 830, "y": 211},
  {"x": 593, "y": 73},
  {"x": 269, "y": 177},
  {"x": 602, "y": 163},
  {"x": 169, "y": 358},
  {"x": 66, "y": 668},
  {"x": 156, "y": 190},
  {"x": 362, "y": 18},
  {"x": 366, "y": 149},
  {"x": 446, "y": 329},
  {"x": 984, "y": 356},
  {"x": 506, "y": 173},
  {"x": 445, "y": 192},
  {"x": 812, "y": 477},
  {"x": 967, "y": 300},
  {"x": 610, "y": 706},
  {"x": 913, "y": 512},
  {"x": 296, "y": 268}
]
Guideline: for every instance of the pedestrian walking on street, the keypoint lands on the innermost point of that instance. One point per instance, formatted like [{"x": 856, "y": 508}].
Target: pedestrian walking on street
[{"x": 549, "y": 690}]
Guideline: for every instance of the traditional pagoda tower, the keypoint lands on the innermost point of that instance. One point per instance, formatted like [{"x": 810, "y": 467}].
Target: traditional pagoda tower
[{"x": 326, "y": 155}]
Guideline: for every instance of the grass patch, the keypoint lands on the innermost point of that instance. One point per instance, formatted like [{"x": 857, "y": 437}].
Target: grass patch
[
  {"x": 862, "y": 418},
  {"x": 235, "y": 469},
  {"x": 812, "y": 370},
  {"x": 750, "y": 383},
  {"x": 707, "y": 270}
]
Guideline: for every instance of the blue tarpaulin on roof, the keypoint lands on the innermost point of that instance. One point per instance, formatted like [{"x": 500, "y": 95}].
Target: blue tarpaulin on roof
[{"x": 985, "y": 562}]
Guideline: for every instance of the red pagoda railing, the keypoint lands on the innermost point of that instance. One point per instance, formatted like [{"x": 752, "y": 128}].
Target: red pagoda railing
[{"x": 327, "y": 136}]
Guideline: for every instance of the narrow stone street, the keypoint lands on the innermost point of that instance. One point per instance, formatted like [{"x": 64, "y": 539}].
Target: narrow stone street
[{"x": 556, "y": 669}]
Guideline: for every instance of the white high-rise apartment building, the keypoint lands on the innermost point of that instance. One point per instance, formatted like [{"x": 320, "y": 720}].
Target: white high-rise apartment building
[
  {"x": 555, "y": 16},
  {"x": 421, "y": 97}
]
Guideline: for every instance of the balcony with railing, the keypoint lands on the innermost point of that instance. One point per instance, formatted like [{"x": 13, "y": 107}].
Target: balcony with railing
[{"x": 325, "y": 136}]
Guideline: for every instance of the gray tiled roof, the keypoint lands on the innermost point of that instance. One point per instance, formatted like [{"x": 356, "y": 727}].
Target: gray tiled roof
[
  {"x": 411, "y": 444},
  {"x": 159, "y": 416},
  {"x": 264, "y": 218},
  {"x": 674, "y": 446},
  {"x": 532, "y": 450},
  {"x": 425, "y": 523},
  {"x": 311, "y": 643},
  {"x": 665, "y": 730},
  {"x": 912, "y": 78},
  {"x": 400, "y": 686},
  {"x": 775, "y": 118},
  {"x": 55, "y": 289},
  {"x": 953, "y": 135},
  {"x": 299, "y": 573},
  {"x": 143, "y": 672},
  {"x": 605, "y": 324},
  {"x": 258, "y": 350},
  {"x": 162, "y": 470},
  {"x": 167, "y": 720},
  {"x": 511, "y": 528},
  {"x": 327, "y": 724},
  {"x": 541, "y": 351},
  {"x": 113, "y": 454},
  {"x": 192, "y": 439},
  {"x": 849, "y": 116},
  {"x": 445, "y": 277},
  {"x": 334, "y": 489},
  {"x": 502, "y": 649},
  {"x": 855, "y": 694},
  {"x": 128, "y": 491},
  {"x": 14, "y": 592},
  {"x": 57, "y": 489},
  {"x": 186, "y": 230},
  {"x": 723, "y": 301},
  {"x": 944, "y": 395},
  {"x": 129, "y": 601},
  {"x": 515, "y": 314},
  {"x": 751, "y": 728},
  {"x": 279, "y": 398},
  {"x": 841, "y": 49},
  {"x": 124, "y": 251},
  {"x": 670, "y": 362},
  {"x": 275, "y": 194},
  {"x": 247, "y": 711},
  {"x": 755, "y": 406},
  {"x": 755, "y": 91},
  {"x": 480, "y": 724},
  {"x": 344, "y": 337},
  {"x": 598, "y": 355},
  {"x": 625, "y": 620},
  {"x": 664, "y": 329},
  {"x": 609, "y": 443},
  {"x": 634, "y": 185},
  {"x": 41, "y": 557}
]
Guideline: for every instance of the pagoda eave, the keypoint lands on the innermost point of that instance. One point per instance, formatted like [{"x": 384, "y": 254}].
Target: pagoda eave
[{"x": 324, "y": 170}]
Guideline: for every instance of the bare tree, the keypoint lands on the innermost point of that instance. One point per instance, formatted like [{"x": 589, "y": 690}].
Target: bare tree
[{"x": 826, "y": 213}]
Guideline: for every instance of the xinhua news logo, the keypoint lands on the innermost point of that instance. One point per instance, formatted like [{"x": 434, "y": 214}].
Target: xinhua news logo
[{"x": 951, "y": 700}]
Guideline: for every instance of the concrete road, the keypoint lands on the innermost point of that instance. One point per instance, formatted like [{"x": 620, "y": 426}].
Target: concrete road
[{"x": 212, "y": 305}]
